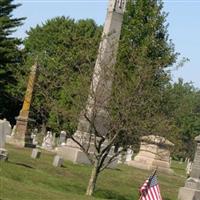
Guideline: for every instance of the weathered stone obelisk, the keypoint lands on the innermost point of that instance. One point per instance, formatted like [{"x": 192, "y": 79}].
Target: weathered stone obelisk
[
  {"x": 101, "y": 85},
  {"x": 191, "y": 190},
  {"x": 22, "y": 137}
]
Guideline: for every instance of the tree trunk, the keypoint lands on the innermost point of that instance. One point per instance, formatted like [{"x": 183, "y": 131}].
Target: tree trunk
[{"x": 93, "y": 180}]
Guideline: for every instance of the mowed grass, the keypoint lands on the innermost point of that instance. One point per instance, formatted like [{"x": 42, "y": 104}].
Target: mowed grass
[{"x": 23, "y": 178}]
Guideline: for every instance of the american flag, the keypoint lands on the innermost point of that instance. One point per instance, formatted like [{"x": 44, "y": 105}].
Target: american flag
[{"x": 150, "y": 189}]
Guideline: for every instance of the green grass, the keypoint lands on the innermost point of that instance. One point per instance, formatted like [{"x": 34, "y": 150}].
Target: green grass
[{"x": 23, "y": 178}]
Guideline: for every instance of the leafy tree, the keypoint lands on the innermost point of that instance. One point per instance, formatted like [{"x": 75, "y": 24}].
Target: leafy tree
[
  {"x": 181, "y": 103},
  {"x": 66, "y": 52},
  {"x": 141, "y": 76},
  {"x": 10, "y": 56},
  {"x": 145, "y": 55}
]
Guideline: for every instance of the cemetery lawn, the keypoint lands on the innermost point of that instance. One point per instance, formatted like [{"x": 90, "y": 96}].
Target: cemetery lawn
[{"x": 22, "y": 178}]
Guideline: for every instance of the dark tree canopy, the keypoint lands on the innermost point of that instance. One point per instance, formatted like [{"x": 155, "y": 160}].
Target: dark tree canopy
[{"x": 10, "y": 56}]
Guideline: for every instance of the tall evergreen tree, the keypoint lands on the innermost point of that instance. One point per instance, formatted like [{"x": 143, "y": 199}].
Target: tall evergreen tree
[{"x": 10, "y": 55}]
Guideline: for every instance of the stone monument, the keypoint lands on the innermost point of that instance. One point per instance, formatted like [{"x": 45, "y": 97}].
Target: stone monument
[
  {"x": 36, "y": 153},
  {"x": 154, "y": 153},
  {"x": 5, "y": 129},
  {"x": 100, "y": 88},
  {"x": 62, "y": 139},
  {"x": 58, "y": 161},
  {"x": 129, "y": 154},
  {"x": 22, "y": 137},
  {"x": 48, "y": 141},
  {"x": 191, "y": 190}
]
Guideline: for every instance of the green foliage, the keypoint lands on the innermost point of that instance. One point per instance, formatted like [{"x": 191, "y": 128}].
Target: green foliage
[
  {"x": 66, "y": 51},
  {"x": 145, "y": 55},
  {"x": 10, "y": 56},
  {"x": 181, "y": 103}
]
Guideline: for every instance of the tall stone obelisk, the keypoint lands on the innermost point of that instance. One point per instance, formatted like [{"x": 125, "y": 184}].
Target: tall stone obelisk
[
  {"x": 22, "y": 137},
  {"x": 191, "y": 190},
  {"x": 101, "y": 85}
]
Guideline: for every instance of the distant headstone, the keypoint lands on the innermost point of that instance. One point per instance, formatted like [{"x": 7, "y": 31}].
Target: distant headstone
[
  {"x": 121, "y": 156},
  {"x": 5, "y": 129},
  {"x": 3, "y": 154},
  {"x": 6, "y": 126},
  {"x": 181, "y": 161},
  {"x": 58, "y": 161},
  {"x": 191, "y": 190},
  {"x": 189, "y": 168},
  {"x": 62, "y": 140},
  {"x": 36, "y": 153},
  {"x": 129, "y": 155},
  {"x": 48, "y": 141},
  {"x": 2, "y": 134},
  {"x": 34, "y": 136}
]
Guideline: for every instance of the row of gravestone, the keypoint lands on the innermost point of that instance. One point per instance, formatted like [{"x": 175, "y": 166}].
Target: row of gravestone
[
  {"x": 50, "y": 144},
  {"x": 48, "y": 141},
  {"x": 57, "y": 161}
]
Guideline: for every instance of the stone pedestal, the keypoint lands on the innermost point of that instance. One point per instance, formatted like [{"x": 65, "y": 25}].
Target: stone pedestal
[
  {"x": 154, "y": 153},
  {"x": 71, "y": 151},
  {"x": 21, "y": 137},
  {"x": 191, "y": 190}
]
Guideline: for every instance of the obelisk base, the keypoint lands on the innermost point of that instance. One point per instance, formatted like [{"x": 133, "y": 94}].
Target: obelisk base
[
  {"x": 72, "y": 152},
  {"x": 21, "y": 137}
]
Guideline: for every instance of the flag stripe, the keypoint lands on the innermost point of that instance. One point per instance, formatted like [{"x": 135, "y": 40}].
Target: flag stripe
[{"x": 150, "y": 189}]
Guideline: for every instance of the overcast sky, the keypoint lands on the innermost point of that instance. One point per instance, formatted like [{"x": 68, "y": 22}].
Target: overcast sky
[{"x": 184, "y": 28}]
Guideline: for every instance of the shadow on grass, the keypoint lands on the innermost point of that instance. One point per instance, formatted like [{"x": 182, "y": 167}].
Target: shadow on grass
[
  {"x": 20, "y": 164},
  {"x": 107, "y": 194}
]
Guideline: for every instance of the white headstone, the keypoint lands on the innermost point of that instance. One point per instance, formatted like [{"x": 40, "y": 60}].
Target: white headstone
[
  {"x": 58, "y": 161},
  {"x": 48, "y": 141},
  {"x": 5, "y": 129},
  {"x": 34, "y": 136},
  {"x": 129, "y": 155},
  {"x": 189, "y": 168},
  {"x": 62, "y": 139},
  {"x": 35, "y": 153}
]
